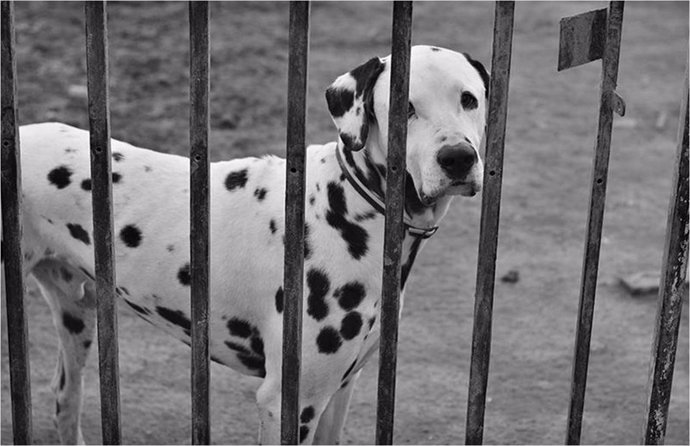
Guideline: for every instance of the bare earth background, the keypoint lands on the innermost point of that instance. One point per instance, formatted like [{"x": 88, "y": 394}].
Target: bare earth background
[{"x": 550, "y": 136}]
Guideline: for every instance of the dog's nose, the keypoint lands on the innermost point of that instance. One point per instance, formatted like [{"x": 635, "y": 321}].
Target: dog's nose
[{"x": 457, "y": 160}]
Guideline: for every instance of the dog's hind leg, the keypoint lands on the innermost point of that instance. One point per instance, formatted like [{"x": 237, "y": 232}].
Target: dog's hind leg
[
  {"x": 71, "y": 298},
  {"x": 332, "y": 420}
]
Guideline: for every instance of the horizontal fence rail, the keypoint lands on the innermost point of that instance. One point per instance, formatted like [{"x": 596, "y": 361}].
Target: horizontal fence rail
[
  {"x": 102, "y": 202},
  {"x": 294, "y": 219},
  {"x": 20, "y": 387},
  {"x": 491, "y": 206},
  {"x": 595, "y": 219},
  {"x": 671, "y": 290},
  {"x": 199, "y": 61},
  {"x": 393, "y": 229}
]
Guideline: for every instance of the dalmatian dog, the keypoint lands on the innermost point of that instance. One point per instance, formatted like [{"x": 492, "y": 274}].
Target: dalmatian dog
[{"x": 343, "y": 249}]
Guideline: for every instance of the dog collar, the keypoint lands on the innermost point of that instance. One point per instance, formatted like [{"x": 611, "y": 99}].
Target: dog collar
[{"x": 376, "y": 201}]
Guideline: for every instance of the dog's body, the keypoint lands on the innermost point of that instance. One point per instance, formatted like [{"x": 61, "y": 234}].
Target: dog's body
[{"x": 343, "y": 236}]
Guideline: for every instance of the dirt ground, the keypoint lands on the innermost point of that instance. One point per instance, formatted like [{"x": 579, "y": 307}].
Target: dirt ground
[{"x": 550, "y": 135}]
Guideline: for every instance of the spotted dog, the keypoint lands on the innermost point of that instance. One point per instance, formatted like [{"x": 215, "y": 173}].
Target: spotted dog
[{"x": 345, "y": 185}]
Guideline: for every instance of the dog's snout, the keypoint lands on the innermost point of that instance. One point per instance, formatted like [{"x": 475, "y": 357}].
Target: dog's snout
[{"x": 457, "y": 160}]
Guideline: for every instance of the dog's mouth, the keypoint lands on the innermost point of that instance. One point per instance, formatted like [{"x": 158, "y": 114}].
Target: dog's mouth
[{"x": 458, "y": 187}]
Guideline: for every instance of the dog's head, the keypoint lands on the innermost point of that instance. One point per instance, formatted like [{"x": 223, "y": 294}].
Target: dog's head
[{"x": 446, "y": 118}]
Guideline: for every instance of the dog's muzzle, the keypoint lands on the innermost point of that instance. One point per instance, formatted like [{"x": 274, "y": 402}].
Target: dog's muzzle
[{"x": 457, "y": 161}]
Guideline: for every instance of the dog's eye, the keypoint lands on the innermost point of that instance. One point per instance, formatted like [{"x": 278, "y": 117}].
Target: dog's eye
[
  {"x": 468, "y": 101},
  {"x": 411, "y": 111}
]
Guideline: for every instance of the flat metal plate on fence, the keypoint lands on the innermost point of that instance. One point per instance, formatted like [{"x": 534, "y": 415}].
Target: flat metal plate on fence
[{"x": 582, "y": 38}]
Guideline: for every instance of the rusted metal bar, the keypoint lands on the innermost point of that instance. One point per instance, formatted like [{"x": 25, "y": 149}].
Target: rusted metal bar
[
  {"x": 101, "y": 195},
  {"x": 294, "y": 219},
  {"x": 199, "y": 61},
  {"x": 393, "y": 232},
  {"x": 491, "y": 206},
  {"x": 671, "y": 290},
  {"x": 20, "y": 387},
  {"x": 595, "y": 219}
]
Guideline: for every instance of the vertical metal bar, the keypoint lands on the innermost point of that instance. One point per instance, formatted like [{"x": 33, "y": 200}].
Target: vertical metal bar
[
  {"x": 294, "y": 219},
  {"x": 673, "y": 275},
  {"x": 595, "y": 222},
  {"x": 101, "y": 195},
  {"x": 491, "y": 206},
  {"x": 20, "y": 387},
  {"x": 199, "y": 61},
  {"x": 395, "y": 193}
]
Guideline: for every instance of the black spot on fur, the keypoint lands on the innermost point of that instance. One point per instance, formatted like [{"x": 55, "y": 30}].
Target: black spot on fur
[
  {"x": 236, "y": 179},
  {"x": 272, "y": 226},
  {"x": 66, "y": 275},
  {"x": 116, "y": 177},
  {"x": 79, "y": 233},
  {"x": 60, "y": 177},
  {"x": 117, "y": 156},
  {"x": 139, "y": 309},
  {"x": 307, "y": 243},
  {"x": 131, "y": 236},
  {"x": 184, "y": 276},
  {"x": 354, "y": 235},
  {"x": 253, "y": 363},
  {"x": 86, "y": 184},
  {"x": 312, "y": 200},
  {"x": 238, "y": 347},
  {"x": 170, "y": 248},
  {"x": 482, "y": 72},
  {"x": 239, "y": 328},
  {"x": 176, "y": 317},
  {"x": 351, "y": 325},
  {"x": 319, "y": 285},
  {"x": 257, "y": 344},
  {"x": 328, "y": 340},
  {"x": 260, "y": 194},
  {"x": 336, "y": 199},
  {"x": 279, "y": 299},
  {"x": 87, "y": 344},
  {"x": 372, "y": 321},
  {"x": 434, "y": 49},
  {"x": 307, "y": 414},
  {"x": 123, "y": 290},
  {"x": 303, "y": 433},
  {"x": 339, "y": 101},
  {"x": 350, "y": 295},
  {"x": 72, "y": 323},
  {"x": 147, "y": 169}
]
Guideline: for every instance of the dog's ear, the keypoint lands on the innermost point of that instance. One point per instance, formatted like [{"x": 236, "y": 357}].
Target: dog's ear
[
  {"x": 350, "y": 102},
  {"x": 482, "y": 72}
]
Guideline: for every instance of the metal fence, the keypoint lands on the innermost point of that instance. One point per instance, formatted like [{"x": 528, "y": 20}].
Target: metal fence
[{"x": 574, "y": 30}]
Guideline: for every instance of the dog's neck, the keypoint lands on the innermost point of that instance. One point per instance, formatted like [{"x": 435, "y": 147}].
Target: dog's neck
[{"x": 368, "y": 165}]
